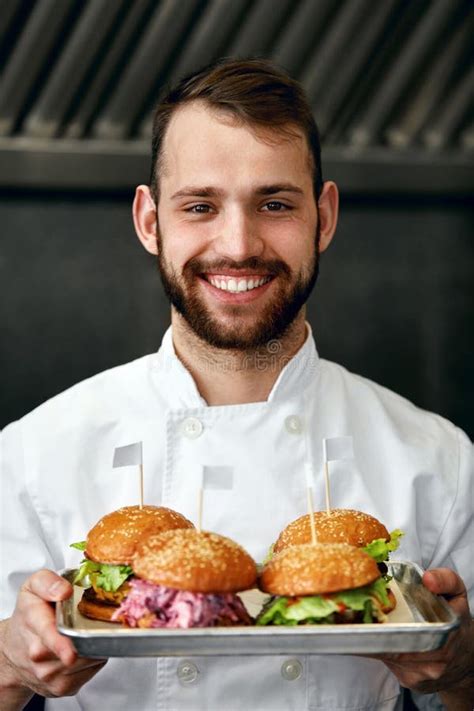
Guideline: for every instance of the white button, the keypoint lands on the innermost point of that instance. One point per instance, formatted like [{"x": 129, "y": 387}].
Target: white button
[
  {"x": 291, "y": 669},
  {"x": 187, "y": 672},
  {"x": 293, "y": 424},
  {"x": 191, "y": 427}
]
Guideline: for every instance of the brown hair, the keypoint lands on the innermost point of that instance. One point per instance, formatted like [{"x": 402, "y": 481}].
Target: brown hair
[{"x": 253, "y": 90}]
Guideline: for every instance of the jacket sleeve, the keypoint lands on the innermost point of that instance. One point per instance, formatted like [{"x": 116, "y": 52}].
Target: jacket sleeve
[
  {"x": 23, "y": 549},
  {"x": 455, "y": 544}
]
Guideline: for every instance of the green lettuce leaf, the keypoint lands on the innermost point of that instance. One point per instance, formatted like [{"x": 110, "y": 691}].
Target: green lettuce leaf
[
  {"x": 379, "y": 549},
  {"x": 111, "y": 577},
  {"x": 107, "y": 577},
  {"x": 368, "y": 612},
  {"x": 312, "y": 607},
  {"x": 357, "y": 597},
  {"x": 307, "y": 609},
  {"x": 315, "y": 609},
  {"x": 102, "y": 575}
]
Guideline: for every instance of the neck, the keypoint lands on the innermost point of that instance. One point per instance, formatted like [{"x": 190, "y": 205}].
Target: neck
[{"x": 232, "y": 377}]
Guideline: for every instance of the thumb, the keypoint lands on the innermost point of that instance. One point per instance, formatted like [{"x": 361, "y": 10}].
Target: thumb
[
  {"x": 47, "y": 585},
  {"x": 443, "y": 581}
]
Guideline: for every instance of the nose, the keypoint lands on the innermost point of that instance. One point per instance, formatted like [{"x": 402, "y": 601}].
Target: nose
[{"x": 238, "y": 236}]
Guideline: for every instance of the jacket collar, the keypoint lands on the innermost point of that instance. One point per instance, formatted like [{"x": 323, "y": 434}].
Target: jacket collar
[{"x": 177, "y": 385}]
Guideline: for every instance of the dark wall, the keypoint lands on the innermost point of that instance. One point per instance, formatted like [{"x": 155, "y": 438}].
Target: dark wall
[{"x": 394, "y": 300}]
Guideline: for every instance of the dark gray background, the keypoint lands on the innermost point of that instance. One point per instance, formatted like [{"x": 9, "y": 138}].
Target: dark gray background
[{"x": 393, "y": 302}]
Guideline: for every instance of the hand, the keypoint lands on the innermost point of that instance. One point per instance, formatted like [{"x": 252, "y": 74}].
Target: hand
[
  {"x": 448, "y": 669},
  {"x": 33, "y": 654}
]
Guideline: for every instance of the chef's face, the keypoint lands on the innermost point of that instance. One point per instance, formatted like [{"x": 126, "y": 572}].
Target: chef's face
[{"x": 237, "y": 227}]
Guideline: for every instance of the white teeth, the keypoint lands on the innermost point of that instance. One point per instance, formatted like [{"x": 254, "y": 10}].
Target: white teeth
[{"x": 234, "y": 285}]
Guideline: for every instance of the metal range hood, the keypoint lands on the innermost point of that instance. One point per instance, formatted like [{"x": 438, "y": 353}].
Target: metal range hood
[{"x": 390, "y": 83}]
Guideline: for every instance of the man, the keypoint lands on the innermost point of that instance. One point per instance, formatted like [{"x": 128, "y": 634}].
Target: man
[{"x": 237, "y": 215}]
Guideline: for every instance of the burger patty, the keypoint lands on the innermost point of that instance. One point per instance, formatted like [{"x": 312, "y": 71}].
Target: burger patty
[
  {"x": 94, "y": 608},
  {"x": 91, "y": 596},
  {"x": 112, "y": 597}
]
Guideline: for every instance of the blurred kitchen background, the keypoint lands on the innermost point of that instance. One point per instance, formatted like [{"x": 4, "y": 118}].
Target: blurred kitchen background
[{"x": 391, "y": 83}]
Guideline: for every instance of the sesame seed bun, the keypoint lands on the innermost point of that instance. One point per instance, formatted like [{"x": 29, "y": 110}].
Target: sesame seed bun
[
  {"x": 186, "y": 559},
  {"x": 318, "y": 569},
  {"x": 339, "y": 526},
  {"x": 114, "y": 538}
]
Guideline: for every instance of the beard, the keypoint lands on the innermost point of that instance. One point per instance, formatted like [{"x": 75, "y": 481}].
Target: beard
[{"x": 242, "y": 333}]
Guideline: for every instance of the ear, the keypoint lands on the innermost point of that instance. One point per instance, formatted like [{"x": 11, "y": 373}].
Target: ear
[
  {"x": 328, "y": 205},
  {"x": 144, "y": 218}
]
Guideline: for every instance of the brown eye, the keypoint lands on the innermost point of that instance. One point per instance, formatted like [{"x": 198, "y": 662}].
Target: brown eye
[
  {"x": 276, "y": 206},
  {"x": 200, "y": 209}
]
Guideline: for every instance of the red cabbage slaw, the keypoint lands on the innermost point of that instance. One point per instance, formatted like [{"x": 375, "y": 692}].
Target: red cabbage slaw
[{"x": 149, "y": 605}]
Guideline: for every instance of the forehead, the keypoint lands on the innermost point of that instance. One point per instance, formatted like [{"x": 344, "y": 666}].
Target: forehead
[{"x": 201, "y": 141}]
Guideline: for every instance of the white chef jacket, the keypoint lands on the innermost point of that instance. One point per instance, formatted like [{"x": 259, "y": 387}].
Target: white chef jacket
[{"x": 411, "y": 470}]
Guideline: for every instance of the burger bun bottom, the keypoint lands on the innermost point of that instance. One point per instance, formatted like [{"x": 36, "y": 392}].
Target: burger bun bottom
[
  {"x": 93, "y": 608},
  {"x": 392, "y": 602}
]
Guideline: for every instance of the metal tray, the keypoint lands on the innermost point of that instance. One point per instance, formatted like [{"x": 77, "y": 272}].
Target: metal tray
[{"x": 420, "y": 622}]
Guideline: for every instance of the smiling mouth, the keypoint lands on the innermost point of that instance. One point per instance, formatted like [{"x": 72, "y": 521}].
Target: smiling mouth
[{"x": 234, "y": 284}]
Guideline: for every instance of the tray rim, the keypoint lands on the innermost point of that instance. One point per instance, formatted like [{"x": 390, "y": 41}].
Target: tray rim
[{"x": 339, "y": 630}]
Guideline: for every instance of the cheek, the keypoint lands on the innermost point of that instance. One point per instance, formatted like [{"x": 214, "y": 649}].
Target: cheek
[
  {"x": 174, "y": 257},
  {"x": 180, "y": 245},
  {"x": 295, "y": 248}
]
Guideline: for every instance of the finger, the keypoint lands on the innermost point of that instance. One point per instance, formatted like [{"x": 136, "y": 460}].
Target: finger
[
  {"x": 69, "y": 684},
  {"x": 443, "y": 581},
  {"x": 423, "y": 677},
  {"x": 38, "y": 652},
  {"x": 413, "y": 658},
  {"x": 446, "y": 582},
  {"x": 86, "y": 664},
  {"x": 50, "y": 668},
  {"x": 48, "y": 586},
  {"x": 40, "y": 620},
  {"x": 402, "y": 662},
  {"x": 38, "y": 614}
]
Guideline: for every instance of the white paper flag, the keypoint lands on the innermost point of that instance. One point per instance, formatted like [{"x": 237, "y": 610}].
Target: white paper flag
[
  {"x": 127, "y": 456},
  {"x": 219, "y": 477},
  {"x": 338, "y": 448}
]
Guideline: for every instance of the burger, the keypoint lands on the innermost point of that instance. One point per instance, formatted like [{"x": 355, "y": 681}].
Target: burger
[
  {"x": 186, "y": 578},
  {"x": 108, "y": 551},
  {"x": 343, "y": 526},
  {"x": 323, "y": 583}
]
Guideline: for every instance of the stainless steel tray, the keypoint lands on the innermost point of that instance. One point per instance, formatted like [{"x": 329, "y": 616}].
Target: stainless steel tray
[{"x": 420, "y": 622}]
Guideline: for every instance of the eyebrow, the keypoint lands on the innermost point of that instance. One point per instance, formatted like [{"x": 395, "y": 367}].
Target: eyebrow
[
  {"x": 279, "y": 188},
  {"x": 197, "y": 191},
  {"x": 209, "y": 191}
]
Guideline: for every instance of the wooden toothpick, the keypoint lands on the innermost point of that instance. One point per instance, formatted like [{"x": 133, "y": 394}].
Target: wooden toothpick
[
  {"x": 309, "y": 491},
  {"x": 200, "y": 504},
  {"x": 326, "y": 480}
]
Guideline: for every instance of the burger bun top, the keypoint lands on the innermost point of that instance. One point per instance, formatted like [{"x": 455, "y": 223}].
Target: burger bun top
[
  {"x": 114, "y": 537},
  {"x": 338, "y": 526},
  {"x": 187, "y": 559},
  {"x": 318, "y": 569}
]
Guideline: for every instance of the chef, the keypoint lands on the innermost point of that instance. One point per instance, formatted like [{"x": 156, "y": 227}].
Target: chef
[{"x": 237, "y": 215}]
